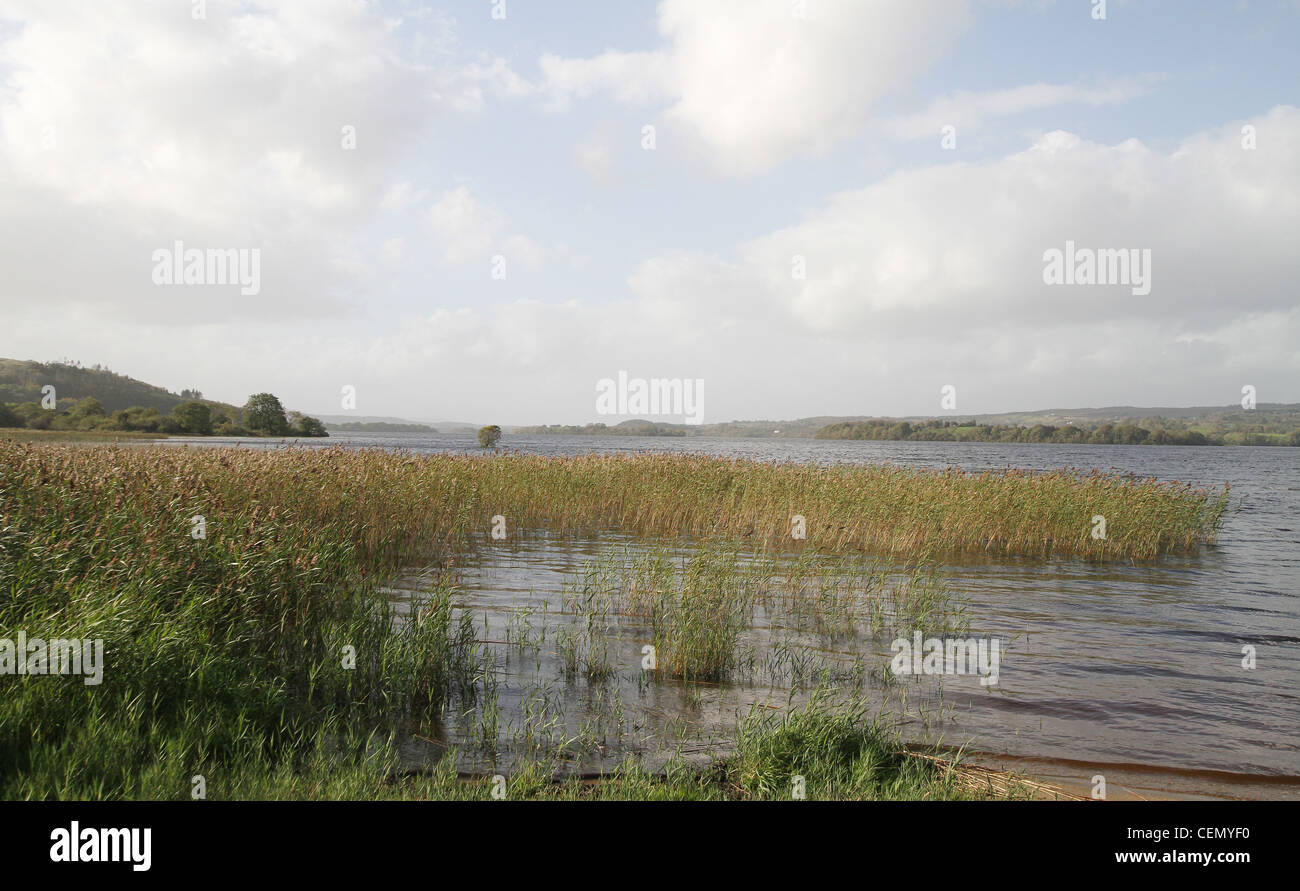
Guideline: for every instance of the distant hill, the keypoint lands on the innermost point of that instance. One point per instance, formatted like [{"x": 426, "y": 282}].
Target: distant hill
[
  {"x": 626, "y": 428},
  {"x": 1265, "y": 413},
  {"x": 21, "y": 381},
  {"x": 1267, "y": 420},
  {"x": 376, "y": 424},
  {"x": 379, "y": 427}
]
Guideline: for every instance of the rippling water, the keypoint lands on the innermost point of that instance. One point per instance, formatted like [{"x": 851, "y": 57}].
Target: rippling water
[{"x": 1133, "y": 672}]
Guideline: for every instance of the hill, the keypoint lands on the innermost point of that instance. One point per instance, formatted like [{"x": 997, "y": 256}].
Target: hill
[
  {"x": 97, "y": 400},
  {"x": 1267, "y": 424},
  {"x": 21, "y": 381}
]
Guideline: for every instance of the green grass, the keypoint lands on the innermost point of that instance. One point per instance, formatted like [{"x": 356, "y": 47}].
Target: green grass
[
  {"x": 225, "y": 655},
  {"x": 695, "y": 609},
  {"x": 838, "y": 750}
]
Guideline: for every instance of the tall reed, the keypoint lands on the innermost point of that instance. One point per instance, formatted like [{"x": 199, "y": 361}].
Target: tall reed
[{"x": 267, "y": 640}]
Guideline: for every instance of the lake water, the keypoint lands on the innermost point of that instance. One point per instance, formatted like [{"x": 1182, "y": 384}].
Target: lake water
[{"x": 1133, "y": 672}]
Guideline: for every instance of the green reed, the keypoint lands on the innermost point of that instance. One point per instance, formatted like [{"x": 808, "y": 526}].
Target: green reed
[{"x": 266, "y": 647}]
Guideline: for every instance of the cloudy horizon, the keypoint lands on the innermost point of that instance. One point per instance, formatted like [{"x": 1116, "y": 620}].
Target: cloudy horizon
[{"x": 480, "y": 210}]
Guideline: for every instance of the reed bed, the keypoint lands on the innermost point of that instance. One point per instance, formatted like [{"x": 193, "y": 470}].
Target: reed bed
[
  {"x": 242, "y": 650},
  {"x": 391, "y": 505},
  {"x": 693, "y": 611},
  {"x": 695, "y": 607},
  {"x": 226, "y": 653}
]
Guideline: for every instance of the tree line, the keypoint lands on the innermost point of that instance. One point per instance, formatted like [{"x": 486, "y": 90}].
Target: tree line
[
  {"x": 1106, "y": 433},
  {"x": 262, "y": 415}
]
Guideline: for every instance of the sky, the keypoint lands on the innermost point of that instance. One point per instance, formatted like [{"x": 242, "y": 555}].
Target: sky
[{"x": 480, "y": 210}]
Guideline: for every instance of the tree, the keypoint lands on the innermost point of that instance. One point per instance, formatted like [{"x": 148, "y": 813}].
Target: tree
[
  {"x": 306, "y": 425},
  {"x": 8, "y": 418},
  {"x": 89, "y": 407},
  {"x": 264, "y": 414},
  {"x": 195, "y": 418},
  {"x": 137, "y": 418},
  {"x": 229, "y": 428},
  {"x": 489, "y": 436}
]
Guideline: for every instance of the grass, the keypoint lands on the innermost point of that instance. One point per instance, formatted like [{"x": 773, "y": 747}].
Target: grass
[
  {"x": 266, "y": 658},
  {"x": 23, "y": 434},
  {"x": 821, "y": 751},
  {"x": 398, "y": 504},
  {"x": 694, "y": 609}
]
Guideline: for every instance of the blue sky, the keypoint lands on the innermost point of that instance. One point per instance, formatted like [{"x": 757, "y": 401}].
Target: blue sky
[{"x": 776, "y": 137}]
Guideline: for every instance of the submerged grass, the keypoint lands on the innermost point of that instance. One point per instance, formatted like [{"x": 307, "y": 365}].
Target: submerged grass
[
  {"x": 264, "y": 657},
  {"x": 695, "y": 608}
]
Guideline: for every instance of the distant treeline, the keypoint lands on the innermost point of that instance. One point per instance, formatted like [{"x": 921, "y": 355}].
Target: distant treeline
[
  {"x": 381, "y": 427},
  {"x": 627, "y": 428},
  {"x": 262, "y": 416},
  {"x": 1102, "y": 434}
]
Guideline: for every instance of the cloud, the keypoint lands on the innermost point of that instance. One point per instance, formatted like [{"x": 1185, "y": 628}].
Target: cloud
[
  {"x": 634, "y": 77},
  {"x": 960, "y": 246},
  {"x": 401, "y": 196},
  {"x": 750, "y": 84},
  {"x": 471, "y": 231},
  {"x": 467, "y": 229},
  {"x": 930, "y": 277},
  {"x": 595, "y": 155},
  {"x": 967, "y": 110},
  {"x": 125, "y": 126}
]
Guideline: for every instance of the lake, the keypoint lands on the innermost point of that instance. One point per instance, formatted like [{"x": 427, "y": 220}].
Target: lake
[{"x": 1133, "y": 672}]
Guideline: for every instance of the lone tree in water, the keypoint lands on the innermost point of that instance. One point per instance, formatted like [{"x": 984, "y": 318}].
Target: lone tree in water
[
  {"x": 489, "y": 436},
  {"x": 265, "y": 414}
]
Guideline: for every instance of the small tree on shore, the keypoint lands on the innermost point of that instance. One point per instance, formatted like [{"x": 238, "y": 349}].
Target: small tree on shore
[
  {"x": 265, "y": 414},
  {"x": 305, "y": 425},
  {"x": 489, "y": 436}
]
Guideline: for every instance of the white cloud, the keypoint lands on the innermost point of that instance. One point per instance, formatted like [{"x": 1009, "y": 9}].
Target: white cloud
[
  {"x": 471, "y": 231},
  {"x": 124, "y": 126},
  {"x": 467, "y": 229},
  {"x": 634, "y": 77},
  {"x": 522, "y": 249},
  {"x": 933, "y": 277},
  {"x": 752, "y": 86},
  {"x": 595, "y": 155},
  {"x": 967, "y": 110},
  {"x": 127, "y": 124},
  {"x": 401, "y": 196},
  {"x": 961, "y": 245},
  {"x": 392, "y": 250}
]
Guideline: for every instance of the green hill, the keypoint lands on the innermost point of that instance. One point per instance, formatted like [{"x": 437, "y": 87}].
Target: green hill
[
  {"x": 21, "y": 381},
  {"x": 96, "y": 400}
]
